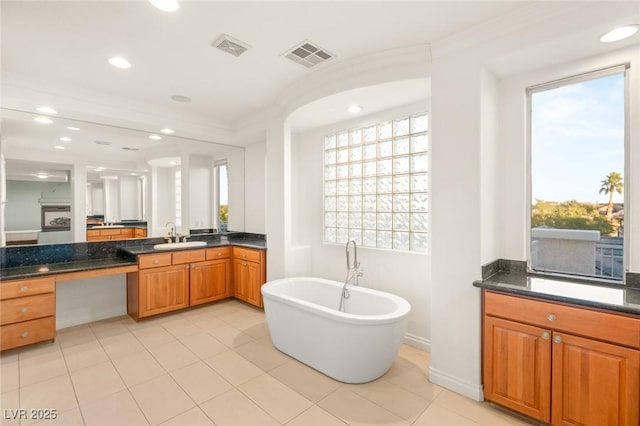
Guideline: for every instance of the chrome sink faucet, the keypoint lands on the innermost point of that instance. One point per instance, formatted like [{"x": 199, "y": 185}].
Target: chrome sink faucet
[{"x": 172, "y": 232}]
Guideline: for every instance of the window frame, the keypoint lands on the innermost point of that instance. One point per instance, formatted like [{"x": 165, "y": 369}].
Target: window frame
[
  {"x": 574, "y": 79},
  {"x": 216, "y": 207}
]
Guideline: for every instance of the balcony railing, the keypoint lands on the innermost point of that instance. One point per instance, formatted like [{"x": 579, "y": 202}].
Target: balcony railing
[{"x": 609, "y": 261}]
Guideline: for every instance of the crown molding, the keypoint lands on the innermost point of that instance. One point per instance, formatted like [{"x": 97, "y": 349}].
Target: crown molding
[{"x": 509, "y": 24}]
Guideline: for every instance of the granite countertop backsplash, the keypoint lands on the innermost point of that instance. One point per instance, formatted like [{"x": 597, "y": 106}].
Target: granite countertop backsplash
[
  {"x": 48, "y": 259},
  {"x": 240, "y": 239},
  {"x": 511, "y": 277}
]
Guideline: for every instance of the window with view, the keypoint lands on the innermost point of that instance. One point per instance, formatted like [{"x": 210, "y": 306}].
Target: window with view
[
  {"x": 376, "y": 185},
  {"x": 222, "y": 197},
  {"x": 577, "y": 175}
]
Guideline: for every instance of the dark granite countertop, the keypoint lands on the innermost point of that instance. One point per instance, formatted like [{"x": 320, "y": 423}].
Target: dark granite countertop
[
  {"x": 45, "y": 269},
  {"x": 578, "y": 292},
  {"x": 117, "y": 227},
  {"x": 253, "y": 243},
  {"x": 49, "y": 259}
]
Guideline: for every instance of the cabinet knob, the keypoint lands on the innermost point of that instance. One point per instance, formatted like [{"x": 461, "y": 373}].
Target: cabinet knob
[
  {"x": 23, "y": 310},
  {"x": 24, "y": 288},
  {"x": 244, "y": 263},
  {"x": 557, "y": 339},
  {"x": 186, "y": 266},
  {"x": 24, "y": 334},
  {"x": 551, "y": 317},
  {"x": 546, "y": 335},
  {"x": 156, "y": 261}
]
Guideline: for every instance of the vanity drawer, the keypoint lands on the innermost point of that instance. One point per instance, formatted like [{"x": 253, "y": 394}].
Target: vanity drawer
[
  {"x": 581, "y": 321},
  {"x": 19, "y": 288},
  {"x": 246, "y": 254},
  {"x": 218, "y": 253},
  {"x": 27, "y": 332},
  {"x": 154, "y": 260},
  {"x": 188, "y": 256},
  {"x": 27, "y": 308}
]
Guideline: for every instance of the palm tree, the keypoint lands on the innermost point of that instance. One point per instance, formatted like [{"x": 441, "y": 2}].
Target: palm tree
[{"x": 611, "y": 184}]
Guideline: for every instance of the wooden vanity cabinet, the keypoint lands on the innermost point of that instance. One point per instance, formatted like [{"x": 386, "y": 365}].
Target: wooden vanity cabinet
[
  {"x": 211, "y": 280},
  {"x": 161, "y": 283},
  {"x": 564, "y": 365},
  {"x": 27, "y": 312},
  {"x": 249, "y": 273},
  {"x": 170, "y": 281},
  {"x": 110, "y": 234}
]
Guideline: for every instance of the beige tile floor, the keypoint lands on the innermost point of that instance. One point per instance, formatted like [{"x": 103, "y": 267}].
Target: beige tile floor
[{"x": 214, "y": 365}]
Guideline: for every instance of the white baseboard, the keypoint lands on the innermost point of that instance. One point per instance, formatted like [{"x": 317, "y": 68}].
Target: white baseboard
[
  {"x": 455, "y": 384},
  {"x": 417, "y": 342}
]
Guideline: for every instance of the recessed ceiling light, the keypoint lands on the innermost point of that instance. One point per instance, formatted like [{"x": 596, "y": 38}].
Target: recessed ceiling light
[
  {"x": 354, "y": 109},
  {"x": 165, "y": 5},
  {"x": 119, "y": 62},
  {"x": 43, "y": 120},
  {"x": 99, "y": 169},
  {"x": 173, "y": 163},
  {"x": 155, "y": 137},
  {"x": 168, "y": 131},
  {"x": 619, "y": 33},
  {"x": 42, "y": 176},
  {"x": 133, "y": 174},
  {"x": 59, "y": 147},
  {"x": 46, "y": 110},
  {"x": 181, "y": 98},
  {"x": 75, "y": 129},
  {"x": 66, "y": 139}
]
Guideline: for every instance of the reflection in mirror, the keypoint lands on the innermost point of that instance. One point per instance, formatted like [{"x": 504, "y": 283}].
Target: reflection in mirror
[{"x": 71, "y": 181}]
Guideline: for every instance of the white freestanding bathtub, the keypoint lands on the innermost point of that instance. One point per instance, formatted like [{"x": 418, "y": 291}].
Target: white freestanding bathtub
[{"x": 355, "y": 346}]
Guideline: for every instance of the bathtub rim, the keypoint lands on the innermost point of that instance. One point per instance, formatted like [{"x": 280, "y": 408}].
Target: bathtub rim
[{"x": 403, "y": 307}]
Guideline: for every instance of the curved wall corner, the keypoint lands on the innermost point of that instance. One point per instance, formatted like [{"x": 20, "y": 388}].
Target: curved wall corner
[{"x": 380, "y": 67}]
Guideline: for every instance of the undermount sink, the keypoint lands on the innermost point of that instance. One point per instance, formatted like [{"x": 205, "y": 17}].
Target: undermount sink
[{"x": 185, "y": 244}]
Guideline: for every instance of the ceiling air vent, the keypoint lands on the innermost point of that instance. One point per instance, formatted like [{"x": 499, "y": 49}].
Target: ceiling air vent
[
  {"x": 308, "y": 54},
  {"x": 102, "y": 142},
  {"x": 231, "y": 45},
  {"x": 128, "y": 148}
]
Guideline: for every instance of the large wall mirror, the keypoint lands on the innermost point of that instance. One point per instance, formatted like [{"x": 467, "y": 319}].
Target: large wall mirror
[{"x": 62, "y": 177}]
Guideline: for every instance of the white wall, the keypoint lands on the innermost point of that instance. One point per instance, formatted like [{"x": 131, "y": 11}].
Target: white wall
[
  {"x": 513, "y": 175},
  {"x": 456, "y": 144},
  {"x": 402, "y": 273},
  {"x": 201, "y": 192},
  {"x": 254, "y": 187},
  {"x": 112, "y": 200},
  {"x": 162, "y": 199},
  {"x": 129, "y": 198},
  {"x": 23, "y": 201},
  {"x": 91, "y": 299}
]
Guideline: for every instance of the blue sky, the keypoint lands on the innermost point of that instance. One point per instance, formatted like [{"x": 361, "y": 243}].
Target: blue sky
[{"x": 577, "y": 139}]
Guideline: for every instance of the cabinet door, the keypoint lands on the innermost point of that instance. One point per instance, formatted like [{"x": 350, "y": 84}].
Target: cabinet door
[
  {"x": 163, "y": 289},
  {"x": 517, "y": 367},
  {"x": 210, "y": 281},
  {"x": 240, "y": 279},
  {"x": 247, "y": 280},
  {"x": 254, "y": 282},
  {"x": 594, "y": 383}
]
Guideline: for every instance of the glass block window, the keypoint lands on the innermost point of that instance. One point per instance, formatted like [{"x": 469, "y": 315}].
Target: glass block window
[{"x": 376, "y": 185}]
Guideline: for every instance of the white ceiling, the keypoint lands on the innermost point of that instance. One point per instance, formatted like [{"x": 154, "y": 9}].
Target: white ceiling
[
  {"x": 56, "y": 52},
  {"x": 68, "y": 43}
]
